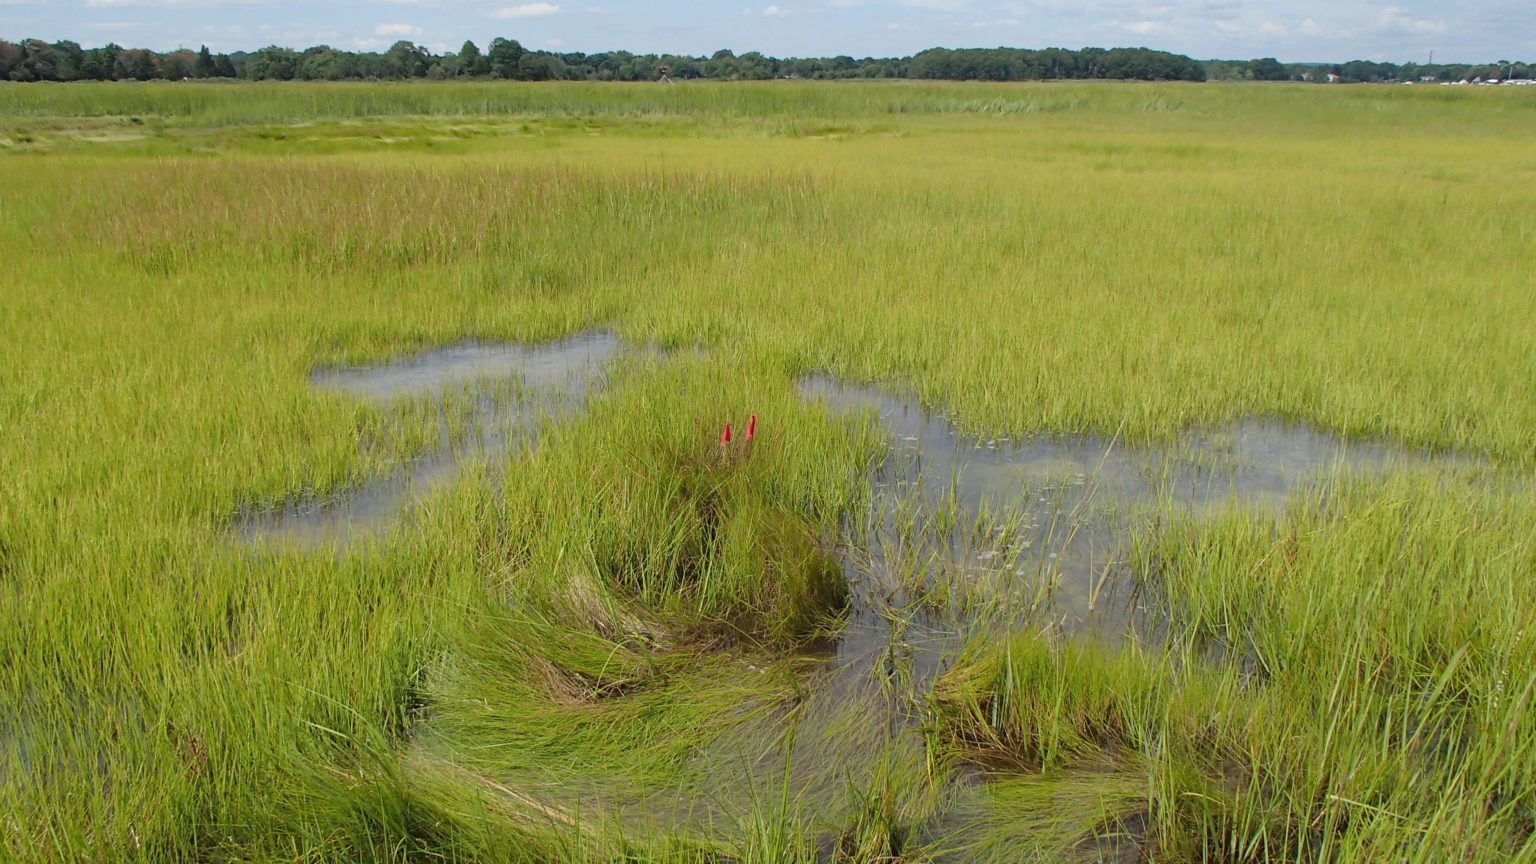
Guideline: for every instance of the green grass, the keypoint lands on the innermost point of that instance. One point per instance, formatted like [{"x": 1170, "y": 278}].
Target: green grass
[{"x": 558, "y": 660}]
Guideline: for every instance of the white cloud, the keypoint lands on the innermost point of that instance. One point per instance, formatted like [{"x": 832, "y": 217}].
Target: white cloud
[
  {"x": 167, "y": 4},
  {"x": 1216, "y": 10},
  {"x": 1310, "y": 27},
  {"x": 776, "y": 12},
  {"x": 525, "y": 10},
  {"x": 938, "y": 5},
  {"x": 298, "y": 35},
  {"x": 1393, "y": 18},
  {"x": 900, "y": 25},
  {"x": 553, "y": 43},
  {"x": 988, "y": 25},
  {"x": 1149, "y": 28},
  {"x": 1262, "y": 29},
  {"x": 1053, "y": 8},
  {"x": 396, "y": 30}
]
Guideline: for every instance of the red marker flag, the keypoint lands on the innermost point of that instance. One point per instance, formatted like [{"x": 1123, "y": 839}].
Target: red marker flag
[
  {"x": 751, "y": 427},
  {"x": 725, "y": 435}
]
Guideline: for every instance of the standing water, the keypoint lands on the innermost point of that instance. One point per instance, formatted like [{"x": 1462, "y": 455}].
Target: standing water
[
  {"x": 970, "y": 539},
  {"x": 959, "y": 530},
  {"x": 551, "y": 380}
]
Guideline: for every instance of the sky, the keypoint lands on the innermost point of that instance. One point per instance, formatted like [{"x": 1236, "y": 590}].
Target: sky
[{"x": 1457, "y": 31}]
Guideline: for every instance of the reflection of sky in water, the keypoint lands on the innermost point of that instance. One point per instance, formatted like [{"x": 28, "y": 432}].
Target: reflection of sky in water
[
  {"x": 551, "y": 365},
  {"x": 1061, "y": 511},
  {"x": 555, "y": 377}
]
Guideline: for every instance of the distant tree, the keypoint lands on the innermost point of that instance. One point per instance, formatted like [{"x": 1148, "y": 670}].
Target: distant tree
[
  {"x": 933, "y": 63},
  {"x": 540, "y": 66},
  {"x": 40, "y": 60},
  {"x": 98, "y": 64},
  {"x": 1366, "y": 70},
  {"x": 1268, "y": 69},
  {"x": 407, "y": 60},
  {"x": 177, "y": 65},
  {"x": 69, "y": 60},
  {"x": 1227, "y": 70},
  {"x": 1015, "y": 64},
  {"x": 138, "y": 64},
  {"x": 1087, "y": 63},
  {"x": 326, "y": 64},
  {"x": 505, "y": 57},
  {"x": 91, "y": 67},
  {"x": 224, "y": 67},
  {"x": 721, "y": 64},
  {"x": 10, "y": 58},
  {"x": 683, "y": 68},
  {"x": 470, "y": 60},
  {"x": 204, "y": 67},
  {"x": 755, "y": 67},
  {"x": 273, "y": 62}
]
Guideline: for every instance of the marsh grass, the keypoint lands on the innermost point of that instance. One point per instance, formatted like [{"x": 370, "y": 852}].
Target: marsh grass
[{"x": 570, "y": 634}]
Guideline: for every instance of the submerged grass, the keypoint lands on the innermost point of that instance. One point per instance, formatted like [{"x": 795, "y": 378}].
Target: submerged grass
[
  {"x": 1351, "y": 695},
  {"x": 595, "y": 649}
]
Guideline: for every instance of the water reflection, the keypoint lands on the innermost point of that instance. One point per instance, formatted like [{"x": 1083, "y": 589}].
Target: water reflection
[
  {"x": 551, "y": 381},
  {"x": 962, "y": 532}
]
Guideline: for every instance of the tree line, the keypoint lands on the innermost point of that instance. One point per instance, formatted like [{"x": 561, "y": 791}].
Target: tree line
[
  {"x": 36, "y": 60},
  {"x": 1365, "y": 71}
]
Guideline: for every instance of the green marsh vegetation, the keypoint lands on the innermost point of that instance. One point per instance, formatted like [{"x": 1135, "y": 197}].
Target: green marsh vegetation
[{"x": 603, "y": 647}]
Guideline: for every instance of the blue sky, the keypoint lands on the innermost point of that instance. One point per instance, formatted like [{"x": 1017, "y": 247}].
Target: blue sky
[{"x": 1397, "y": 30}]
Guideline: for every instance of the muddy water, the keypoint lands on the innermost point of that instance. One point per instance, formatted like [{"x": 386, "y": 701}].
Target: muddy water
[{"x": 550, "y": 381}]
